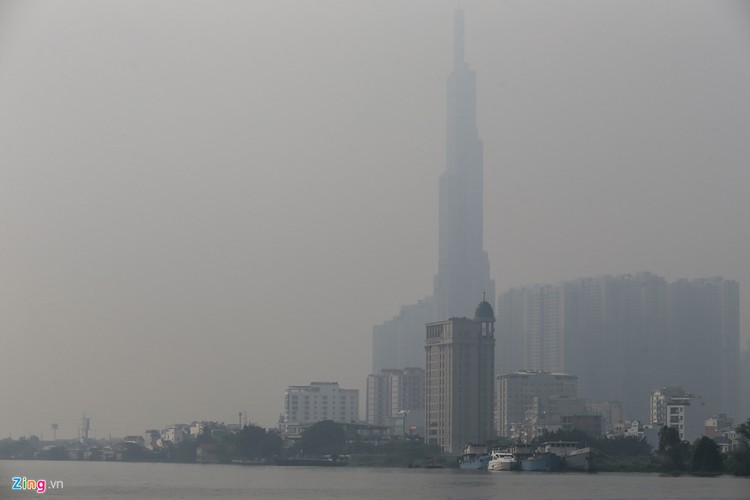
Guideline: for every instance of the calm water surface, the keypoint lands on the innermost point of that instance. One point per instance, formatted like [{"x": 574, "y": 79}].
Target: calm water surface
[{"x": 102, "y": 480}]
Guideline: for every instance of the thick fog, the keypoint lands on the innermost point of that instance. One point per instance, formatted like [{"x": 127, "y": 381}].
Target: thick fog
[{"x": 204, "y": 202}]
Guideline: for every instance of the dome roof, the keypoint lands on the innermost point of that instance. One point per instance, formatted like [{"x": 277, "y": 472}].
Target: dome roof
[{"x": 484, "y": 311}]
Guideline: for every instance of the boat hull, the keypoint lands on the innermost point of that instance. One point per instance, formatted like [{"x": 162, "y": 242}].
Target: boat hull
[
  {"x": 502, "y": 461},
  {"x": 314, "y": 462},
  {"x": 583, "y": 459},
  {"x": 546, "y": 462},
  {"x": 502, "y": 465},
  {"x": 474, "y": 463}
]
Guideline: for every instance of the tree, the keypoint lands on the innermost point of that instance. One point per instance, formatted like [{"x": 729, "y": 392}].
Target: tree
[
  {"x": 326, "y": 437},
  {"x": 184, "y": 451},
  {"x": 739, "y": 460},
  {"x": 249, "y": 441},
  {"x": 672, "y": 450},
  {"x": 271, "y": 445},
  {"x": 706, "y": 456}
]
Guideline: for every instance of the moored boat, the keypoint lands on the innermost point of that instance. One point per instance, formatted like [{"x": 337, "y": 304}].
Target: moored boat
[
  {"x": 502, "y": 460},
  {"x": 475, "y": 457},
  {"x": 542, "y": 462},
  {"x": 581, "y": 459},
  {"x": 326, "y": 461}
]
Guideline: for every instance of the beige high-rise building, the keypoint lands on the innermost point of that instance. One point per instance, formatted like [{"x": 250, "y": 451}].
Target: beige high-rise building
[
  {"x": 459, "y": 380},
  {"x": 304, "y": 404}
]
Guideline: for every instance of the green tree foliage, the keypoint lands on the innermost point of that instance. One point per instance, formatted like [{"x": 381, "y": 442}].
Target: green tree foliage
[
  {"x": 254, "y": 442},
  {"x": 739, "y": 460},
  {"x": 323, "y": 438},
  {"x": 706, "y": 456},
  {"x": 399, "y": 452},
  {"x": 673, "y": 451},
  {"x": 668, "y": 437},
  {"x": 271, "y": 445},
  {"x": 184, "y": 451},
  {"x": 248, "y": 441},
  {"x": 22, "y": 448},
  {"x": 132, "y": 451}
]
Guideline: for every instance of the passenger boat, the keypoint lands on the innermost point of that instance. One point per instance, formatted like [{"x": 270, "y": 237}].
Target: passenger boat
[
  {"x": 475, "y": 457},
  {"x": 502, "y": 460}
]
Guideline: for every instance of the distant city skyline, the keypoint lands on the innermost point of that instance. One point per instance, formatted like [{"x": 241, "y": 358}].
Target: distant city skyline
[
  {"x": 624, "y": 336},
  {"x": 204, "y": 203}
]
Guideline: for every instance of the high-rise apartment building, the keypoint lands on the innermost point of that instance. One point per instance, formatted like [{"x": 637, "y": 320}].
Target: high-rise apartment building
[
  {"x": 523, "y": 396},
  {"x": 705, "y": 341},
  {"x": 624, "y": 335},
  {"x": 459, "y": 388},
  {"x": 396, "y": 394},
  {"x": 463, "y": 266}
]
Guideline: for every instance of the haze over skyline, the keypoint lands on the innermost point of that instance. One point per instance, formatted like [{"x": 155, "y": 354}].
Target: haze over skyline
[{"x": 204, "y": 203}]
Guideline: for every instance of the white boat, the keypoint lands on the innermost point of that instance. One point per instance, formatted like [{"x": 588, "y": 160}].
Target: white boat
[{"x": 502, "y": 460}]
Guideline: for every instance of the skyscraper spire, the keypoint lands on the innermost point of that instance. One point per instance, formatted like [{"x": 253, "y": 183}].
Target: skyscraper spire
[
  {"x": 458, "y": 38},
  {"x": 463, "y": 265}
]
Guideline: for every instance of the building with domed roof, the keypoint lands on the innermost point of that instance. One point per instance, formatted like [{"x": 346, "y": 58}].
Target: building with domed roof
[{"x": 459, "y": 380}]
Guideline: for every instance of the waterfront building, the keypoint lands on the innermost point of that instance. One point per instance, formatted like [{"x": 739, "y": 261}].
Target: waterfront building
[
  {"x": 660, "y": 398},
  {"x": 396, "y": 398},
  {"x": 524, "y": 398},
  {"x": 673, "y": 407},
  {"x": 463, "y": 264},
  {"x": 459, "y": 380},
  {"x": 610, "y": 411},
  {"x": 319, "y": 401}
]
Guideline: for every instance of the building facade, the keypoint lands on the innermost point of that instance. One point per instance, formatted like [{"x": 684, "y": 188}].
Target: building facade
[
  {"x": 319, "y": 401},
  {"x": 624, "y": 335},
  {"x": 673, "y": 407},
  {"x": 526, "y": 400},
  {"x": 396, "y": 398},
  {"x": 705, "y": 331},
  {"x": 459, "y": 380}
]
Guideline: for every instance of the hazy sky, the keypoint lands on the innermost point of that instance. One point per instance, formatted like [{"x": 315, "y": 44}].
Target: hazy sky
[{"x": 204, "y": 202}]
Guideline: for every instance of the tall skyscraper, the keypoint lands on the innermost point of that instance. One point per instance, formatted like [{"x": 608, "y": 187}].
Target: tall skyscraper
[
  {"x": 459, "y": 380},
  {"x": 705, "y": 341},
  {"x": 463, "y": 266}
]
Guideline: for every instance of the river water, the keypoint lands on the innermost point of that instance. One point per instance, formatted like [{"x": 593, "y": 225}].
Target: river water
[{"x": 120, "y": 480}]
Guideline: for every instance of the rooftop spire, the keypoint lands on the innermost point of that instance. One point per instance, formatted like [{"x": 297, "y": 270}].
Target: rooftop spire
[{"x": 458, "y": 38}]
